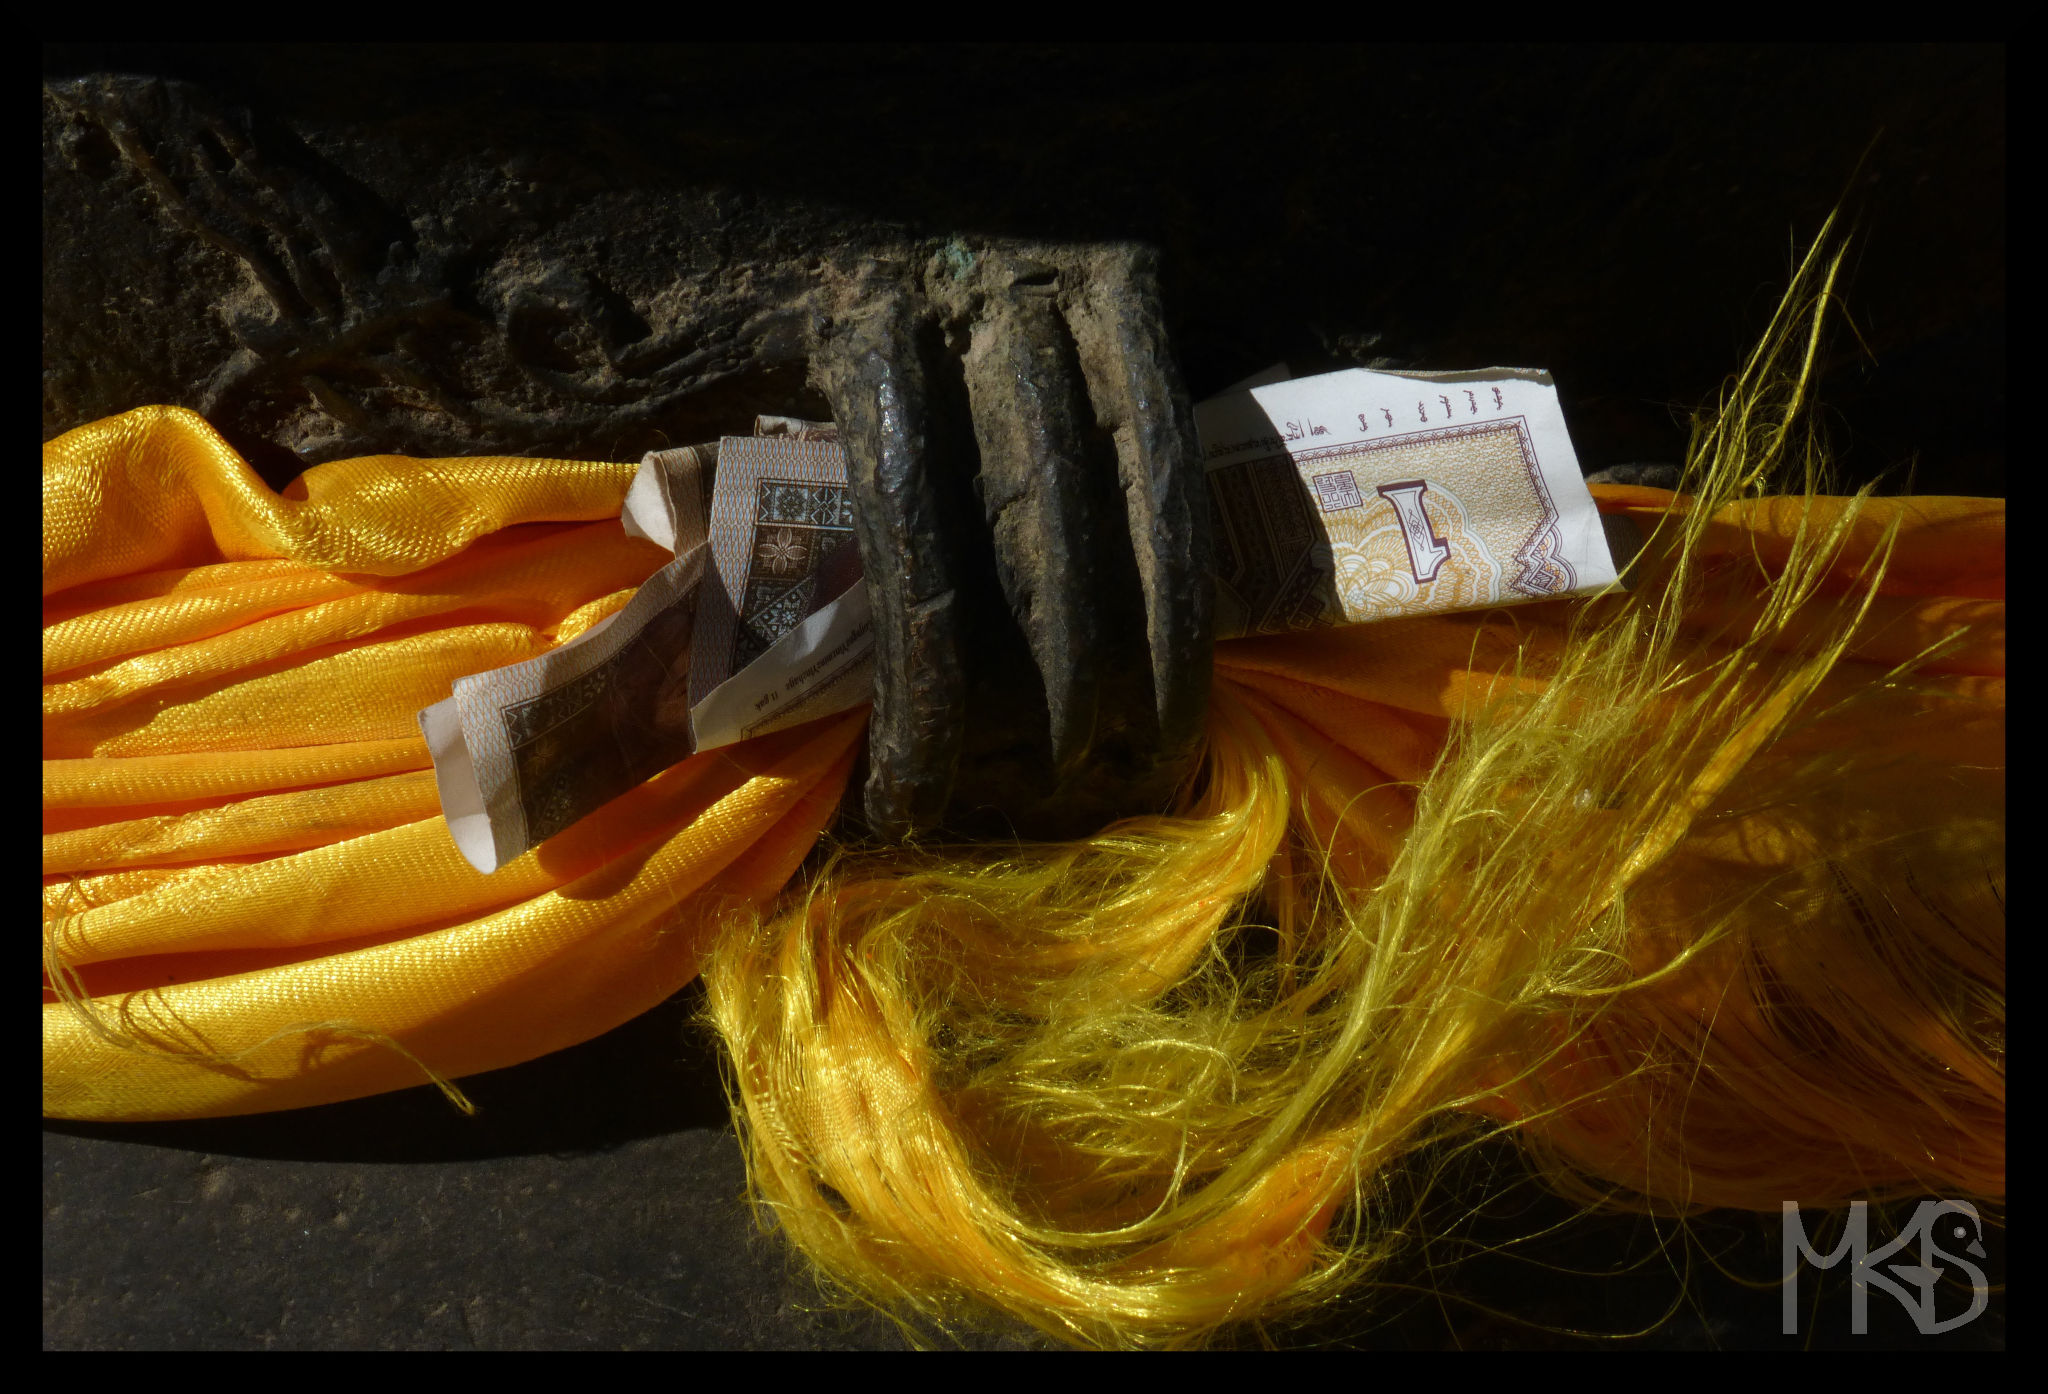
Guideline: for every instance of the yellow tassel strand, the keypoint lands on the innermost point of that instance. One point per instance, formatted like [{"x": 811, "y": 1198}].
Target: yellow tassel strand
[{"x": 1697, "y": 890}]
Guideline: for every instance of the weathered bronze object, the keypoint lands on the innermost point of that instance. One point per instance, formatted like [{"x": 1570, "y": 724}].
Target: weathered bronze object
[{"x": 1028, "y": 494}]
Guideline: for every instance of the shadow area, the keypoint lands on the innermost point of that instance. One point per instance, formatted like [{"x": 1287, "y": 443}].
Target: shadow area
[
  {"x": 1486, "y": 1257},
  {"x": 1483, "y": 1255},
  {"x": 656, "y": 1075},
  {"x": 1623, "y": 215}
]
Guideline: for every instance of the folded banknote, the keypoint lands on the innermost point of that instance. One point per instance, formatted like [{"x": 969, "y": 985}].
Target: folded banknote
[
  {"x": 758, "y": 623},
  {"x": 1357, "y": 496}
]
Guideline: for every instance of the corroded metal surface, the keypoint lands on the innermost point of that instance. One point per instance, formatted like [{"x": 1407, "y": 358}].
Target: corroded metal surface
[
  {"x": 600, "y": 250},
  {"x": 1021, "y": 447},
  {"x": 1035, "y": 531}
]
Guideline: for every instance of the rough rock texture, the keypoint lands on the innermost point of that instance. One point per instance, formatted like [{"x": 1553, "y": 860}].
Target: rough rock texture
[
  {"x": 482, "y": 247},
  {"x": 594, "y": 250},
  {"x": 577, "y": 295},
  {"x": 603, "y": 250},
  {"x": 594, "y": 1203}
]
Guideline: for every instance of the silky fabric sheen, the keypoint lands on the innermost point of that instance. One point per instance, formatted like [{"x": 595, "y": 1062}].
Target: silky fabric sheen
[
  {"x": 244, "y": 865},
  {"x": 245, "y": 869}
]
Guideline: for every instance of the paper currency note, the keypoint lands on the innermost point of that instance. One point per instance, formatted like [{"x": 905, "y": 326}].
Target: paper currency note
[
  {"x": 782, "y": 548},
  {"x": 522, "y": 752},
  {"x": 1359, "y": 496},
  {"x": 670, "y": 497},
  {"x": 785, "y": 634},
  {"x": 759, "y": 623},
  {"x": 796, "y": 427}
]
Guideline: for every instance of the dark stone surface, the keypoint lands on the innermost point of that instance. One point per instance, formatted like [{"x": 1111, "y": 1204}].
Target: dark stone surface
[
  {"x": 608, "y": 230},
  {"x": 594, "y": 1203},
  {"x": 594, "y": 250}
]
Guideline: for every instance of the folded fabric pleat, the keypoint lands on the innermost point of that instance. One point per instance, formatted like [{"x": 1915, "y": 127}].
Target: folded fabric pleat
[
  {"x": 250, "y": 901},
  {"x": 151, "y": 779},
  {"x": 158, "y": 488},
  {"x": 541, "y": 974}
]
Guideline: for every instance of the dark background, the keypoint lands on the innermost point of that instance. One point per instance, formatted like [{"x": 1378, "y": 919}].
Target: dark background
[{"x": 1624, "y": 216}]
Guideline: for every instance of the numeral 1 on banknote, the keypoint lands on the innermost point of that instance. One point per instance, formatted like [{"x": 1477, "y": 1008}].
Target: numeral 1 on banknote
[{"x": 1480, "y": 502}]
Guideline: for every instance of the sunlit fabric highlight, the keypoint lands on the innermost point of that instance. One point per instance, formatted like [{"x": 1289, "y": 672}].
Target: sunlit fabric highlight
[{"x": 247, "y": 885}]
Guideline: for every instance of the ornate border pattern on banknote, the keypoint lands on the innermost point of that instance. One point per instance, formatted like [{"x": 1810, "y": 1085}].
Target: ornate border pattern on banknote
[
  {"x": 1301, "y": 540},
  {"x": 780, "y": 512},
  {"x": 797, "y": 525}
]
